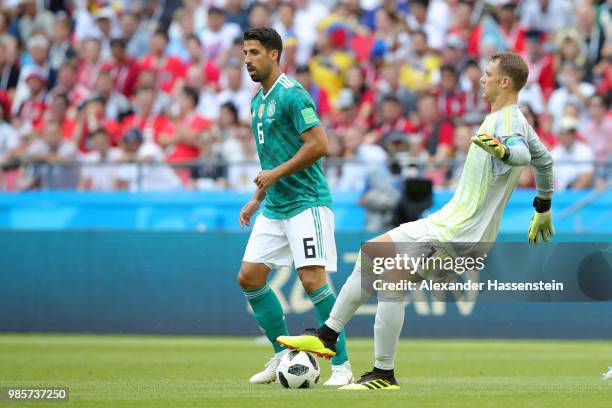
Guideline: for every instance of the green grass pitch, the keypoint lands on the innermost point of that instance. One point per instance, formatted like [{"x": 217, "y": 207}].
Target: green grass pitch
[{"x": 164, "y": 371}]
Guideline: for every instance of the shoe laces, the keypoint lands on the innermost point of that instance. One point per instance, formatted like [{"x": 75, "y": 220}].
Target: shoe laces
[{"x": 311, "y": 332}]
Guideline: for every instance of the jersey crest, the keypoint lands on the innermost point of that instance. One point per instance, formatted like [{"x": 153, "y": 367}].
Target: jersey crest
[{"x": 271, "y": 108}]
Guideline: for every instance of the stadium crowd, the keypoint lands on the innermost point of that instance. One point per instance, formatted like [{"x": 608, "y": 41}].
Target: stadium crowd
[{"x": 124, "y": 94}]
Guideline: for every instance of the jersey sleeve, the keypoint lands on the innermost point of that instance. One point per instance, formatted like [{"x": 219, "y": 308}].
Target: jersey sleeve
[
  {"x": 302, "y": 111},
  {"x": 542, "y": 162}
]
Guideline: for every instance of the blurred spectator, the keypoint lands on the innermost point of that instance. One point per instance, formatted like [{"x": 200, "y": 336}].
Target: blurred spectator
[
  {"x": 9, "y": 71},
  {"x": 345, "y": 113},
  {"x": 90, "y": 64},
  {"x": 219, "y": 36},
  {"x": 184, "y": 140},
  {"x": 180, "y": 29},
  {"x": 592, "y": 34},
  {"x": 568, "y": 45},
  {"x": 462, "y": 21},
  {"x": 435, "y": 22},
  {"x": 285, "y": 23},
  {"x": 240, "y": 173},
  {"x": 123, "y": 69},
  {"x": 168, "y": 69},
  {"x": 391, "y": 33},
  {"x": 259, "y": 15},
  {"x": 572, "y": 90},
  {"x": 546, "y": 15},
  {"x": 148, "y": 79},
  {"x": 33, "y": 17},
  {"x": 393, "y": 119},
  {"x": 47, "y": 150},
  {"x": 540, "y": 63},
  {"x": 236, "y": 92},
  {"x": 99, "y": 170},
  {"x": 209, "y": 69},
  {"x": 9, "y": 139},
  {"x": 136, "y": 36},
  {"x": 116, "y": 105},
  {"x": 422, "y": 68},
  {"x": 31, "y": 111},
  {"x": 38, "y": 49},
  {"x": 228, "y": 133},
  {"x": 476, "y": 107},
  {"x": 61, "y": 47},
  {"x": 389, "y": 85},
  {"x": 143, "y": 167},
  {"x": 107, "y": 28},
  {"x": 237, "y": 13},
  {"x": 359, "y": 157},
  {"x": 451, "y": 99},
  {"x": 362, "y": 94},
  {"x": 287, "y": 62},
  {"x": 602, "y": 72},
  {"x": 435, "y": 132},
  {"x": 91, "y": 117},
  {"x": 210, "y": 172},
  {"x": 207, "y": 92},
  {"x": 462, "y": 139},
  {"x": 67, "y": 83},
  {"x": 318, "y": 95},
  {"x": 598, "y": 128},
  {"x": 58, "y": 111},
  {"x": 545, "y": 136},
  {"x": 5, "y": 19},
  {"x": 151, "y": 125},
  {"x": 330, "y": 66},
  {"x": 573, "y": 159}
]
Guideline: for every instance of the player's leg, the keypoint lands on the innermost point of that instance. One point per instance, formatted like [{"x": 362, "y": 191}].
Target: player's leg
[
  {"x": 267, "y": 309},
  {"x": 352, "y": 295},
  {"x": 313, "y": 246},
  {"x": 267, "y": 246},
  {"x": 314, "y": 280}
]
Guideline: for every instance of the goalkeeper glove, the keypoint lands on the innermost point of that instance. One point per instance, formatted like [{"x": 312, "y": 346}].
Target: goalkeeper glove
[
  {"x": 492, "y": 146},
  {"x": 541, "y": 223}
]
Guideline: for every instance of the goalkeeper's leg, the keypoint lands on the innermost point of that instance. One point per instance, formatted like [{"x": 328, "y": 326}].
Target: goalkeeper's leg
[{"x": 353, "y": 294}]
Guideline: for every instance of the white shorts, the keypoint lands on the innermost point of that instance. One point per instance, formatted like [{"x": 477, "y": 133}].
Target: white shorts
[
  {"x": 415, "y": 231},
  {"x": 305, "y": 239}
]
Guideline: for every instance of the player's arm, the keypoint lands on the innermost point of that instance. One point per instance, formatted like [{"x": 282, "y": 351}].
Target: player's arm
[
  {"x": 314, "y": 147},
  {"x": 514, "y": 152},
  {"x": 541, "y": 161},
  {"x": 251, "y": 207}
]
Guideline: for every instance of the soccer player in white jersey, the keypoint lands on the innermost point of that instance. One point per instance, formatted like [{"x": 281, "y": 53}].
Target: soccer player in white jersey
[{"x": 503, "y": 144}]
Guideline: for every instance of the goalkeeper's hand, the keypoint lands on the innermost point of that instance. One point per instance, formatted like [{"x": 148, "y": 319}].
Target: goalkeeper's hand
[
  {"x": 541, "y": 223},
  {"x": 492, "y": 146}
]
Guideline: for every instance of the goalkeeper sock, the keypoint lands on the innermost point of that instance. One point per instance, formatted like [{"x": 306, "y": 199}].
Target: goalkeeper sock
[
  {"x": 323, "y": 300},
  {"x": 269, "y": 314}
]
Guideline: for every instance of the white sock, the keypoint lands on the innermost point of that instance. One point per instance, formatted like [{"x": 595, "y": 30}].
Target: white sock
[
  {"x": 349, "y": 299},
  {"x": 387, "y": 328}
]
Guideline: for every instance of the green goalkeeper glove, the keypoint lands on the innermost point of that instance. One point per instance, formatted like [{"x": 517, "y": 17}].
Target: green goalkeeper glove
[
  {"x": 541, "y": 223},
  {"x": 492, "y": 146}
]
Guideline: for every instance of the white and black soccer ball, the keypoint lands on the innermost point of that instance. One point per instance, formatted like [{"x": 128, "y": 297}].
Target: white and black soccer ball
[{"x": 298, "y": 369}]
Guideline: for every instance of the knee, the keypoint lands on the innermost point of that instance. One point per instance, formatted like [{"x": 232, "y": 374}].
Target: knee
[
  {"x": 312, "y": 280},
  {"x": 247, "y": 280}
]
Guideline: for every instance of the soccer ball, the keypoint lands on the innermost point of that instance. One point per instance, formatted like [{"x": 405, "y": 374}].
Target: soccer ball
[{"x": 298, "y": 369}]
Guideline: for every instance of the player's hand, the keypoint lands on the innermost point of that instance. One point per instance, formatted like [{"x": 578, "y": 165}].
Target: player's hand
[
  {"x": 491, "y": 145},
  {"x": 541, "y": 225},
  {"x": 247, "y": 212},
  {"x": 265, "y": 179}
]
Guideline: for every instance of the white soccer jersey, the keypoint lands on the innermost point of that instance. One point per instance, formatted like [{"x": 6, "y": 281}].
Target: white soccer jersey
[{"x": 474, "y": 212}]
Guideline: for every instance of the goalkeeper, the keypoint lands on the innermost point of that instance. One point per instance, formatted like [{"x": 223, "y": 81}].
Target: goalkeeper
[{"x": 502, "y": 146}]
